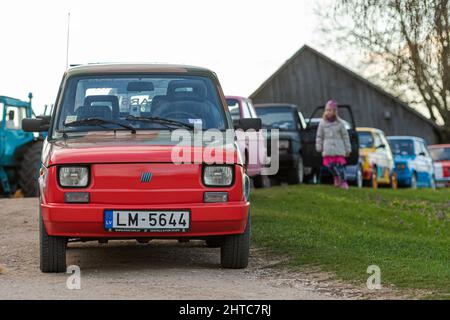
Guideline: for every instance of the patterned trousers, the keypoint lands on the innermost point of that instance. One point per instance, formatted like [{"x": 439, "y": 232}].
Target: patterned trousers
[{"x": 337, "y": 170}]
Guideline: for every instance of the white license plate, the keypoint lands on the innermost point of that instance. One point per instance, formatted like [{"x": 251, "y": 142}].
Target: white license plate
[{"x": 147, "y": 221}]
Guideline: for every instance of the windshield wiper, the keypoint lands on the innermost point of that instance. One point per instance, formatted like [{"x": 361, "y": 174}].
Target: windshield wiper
[
  {"x": 159, "y": 120},
  {"x": 99, "y": 122}
]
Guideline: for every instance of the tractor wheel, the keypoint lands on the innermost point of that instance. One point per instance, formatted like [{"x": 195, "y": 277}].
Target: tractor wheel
[{"x": 29, "y": 169}]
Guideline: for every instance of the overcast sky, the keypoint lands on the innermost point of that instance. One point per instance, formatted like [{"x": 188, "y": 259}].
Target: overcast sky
[{"x": 243, "y": 41}]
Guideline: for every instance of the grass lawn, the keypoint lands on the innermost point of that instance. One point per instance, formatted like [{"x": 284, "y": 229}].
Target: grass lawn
[{"x": 404, "y": 232}]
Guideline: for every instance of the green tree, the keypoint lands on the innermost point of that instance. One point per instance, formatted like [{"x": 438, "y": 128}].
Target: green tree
[{"x": 411, "y": 39}]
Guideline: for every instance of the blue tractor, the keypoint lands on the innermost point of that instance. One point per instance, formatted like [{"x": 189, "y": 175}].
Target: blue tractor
[{"x": 20, "y": 151}]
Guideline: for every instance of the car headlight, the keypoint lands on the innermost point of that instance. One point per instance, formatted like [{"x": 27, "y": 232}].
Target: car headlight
[
  {"x": 74, "y": 177},
  {"x": 218, "y": 176},
  {"x": 284, "y": 144}
]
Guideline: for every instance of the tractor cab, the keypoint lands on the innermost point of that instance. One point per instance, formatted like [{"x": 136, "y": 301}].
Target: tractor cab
[{"x": 16, "y": 147}]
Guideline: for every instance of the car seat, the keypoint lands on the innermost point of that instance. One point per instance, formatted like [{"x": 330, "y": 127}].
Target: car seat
[
  {"x": 111, "y": 99},
  {"x": 102, "y": 112}
]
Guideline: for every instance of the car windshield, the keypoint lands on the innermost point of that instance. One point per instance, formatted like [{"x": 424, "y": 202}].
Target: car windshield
[
  {"x": 402, "y": 147},
  {"x": 365, "y": 139},
  {"x": 142, "y": 102},
  {"x": 276, "y": 117},
  {"x": 440, "y": 154}
]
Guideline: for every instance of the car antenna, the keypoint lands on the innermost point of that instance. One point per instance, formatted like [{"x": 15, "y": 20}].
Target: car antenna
[{"x": 68, "y": 40}]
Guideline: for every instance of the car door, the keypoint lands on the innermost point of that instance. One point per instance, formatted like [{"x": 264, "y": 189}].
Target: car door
[
  {"x": 422, "y": 164},
  {"x": 429, "y": 162},
  {"x": 389, "y": 157},
  {"x": 311, "y": 158}
]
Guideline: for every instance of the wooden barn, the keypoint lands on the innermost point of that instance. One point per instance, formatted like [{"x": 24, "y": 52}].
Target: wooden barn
[{"x": 309, "y": 79}]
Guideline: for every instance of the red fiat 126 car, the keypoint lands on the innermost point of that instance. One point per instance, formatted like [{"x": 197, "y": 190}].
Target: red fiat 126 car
[{"x": 108, "y": 169}]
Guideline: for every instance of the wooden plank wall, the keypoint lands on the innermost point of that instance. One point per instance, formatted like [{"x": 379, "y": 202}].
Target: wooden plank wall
[{"x": 309, "y": 81}]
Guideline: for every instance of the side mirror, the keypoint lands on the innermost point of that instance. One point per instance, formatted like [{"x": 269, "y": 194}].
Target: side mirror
[
  {"x": 248, "y": 123},
  {"x": 35, "y": 125},
  {"x": 381, "y": 146}
]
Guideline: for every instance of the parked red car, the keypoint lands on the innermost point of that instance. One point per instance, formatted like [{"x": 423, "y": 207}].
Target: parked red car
[
  {"x": 440, "y": 153},
  {"x": 108, "y": 170},
  {"x": 254, "y": 149}
]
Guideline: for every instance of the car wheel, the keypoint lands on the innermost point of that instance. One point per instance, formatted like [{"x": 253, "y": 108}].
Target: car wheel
[
  {"x": 296, "y": 174},
  {"x": 261, "y": 181},
  {"x": 52, "y": 250},
  {"x": 359, "y": 178},
  {"x": 394, "y": 181},
  {"x": 374, "y": 179},
  {"x": 413, "y": 181},
  {"x": 235, "y": 249},
  {"x": 433, "y": 183},
  {"x": 314, "y": 178}
]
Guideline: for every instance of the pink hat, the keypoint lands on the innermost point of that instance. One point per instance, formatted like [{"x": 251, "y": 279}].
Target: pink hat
[{"x": 332, "y": 104}]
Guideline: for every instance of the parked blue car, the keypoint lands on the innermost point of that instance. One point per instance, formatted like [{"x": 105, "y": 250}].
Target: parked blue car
[{"x": 413, "y": 163}]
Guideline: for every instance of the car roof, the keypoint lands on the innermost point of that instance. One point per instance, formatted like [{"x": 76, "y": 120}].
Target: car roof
[
  {"x": 405, "y": 138},
  {"x": 114, "y": 68},
  {"x": 368, "y": 129},
  {"x": 438, "y": 146},
  {"x": 237, "y": 98},
  {"x": 276, "y": 105}
]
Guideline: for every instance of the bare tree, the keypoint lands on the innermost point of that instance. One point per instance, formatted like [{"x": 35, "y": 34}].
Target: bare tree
[{"x": 410, "y": 39}]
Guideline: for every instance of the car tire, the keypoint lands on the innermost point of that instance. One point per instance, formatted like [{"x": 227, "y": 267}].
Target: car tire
[
  {"x": 235, "y": 249},
  {"x": 261, "y": 181},
  {"x": 413, "y": 184},
  {"x": 296, "y": 174},
  {"x": 359, "y": 181},
  {"x": 29, "y": 169},
  {"x": 52, "y": 251},
  {"x": 374, "y": 179},
  {"x": 314, "y": 178},
  {"x": 394, "y": 181},
  {"x": 433, "y": 183}
]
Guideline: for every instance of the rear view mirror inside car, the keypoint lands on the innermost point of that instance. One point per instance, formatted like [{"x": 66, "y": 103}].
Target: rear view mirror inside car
[{"x": 140, "y": 86}]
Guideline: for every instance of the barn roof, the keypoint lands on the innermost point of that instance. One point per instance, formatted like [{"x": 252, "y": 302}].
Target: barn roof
[{"x": 351, "y": 73}]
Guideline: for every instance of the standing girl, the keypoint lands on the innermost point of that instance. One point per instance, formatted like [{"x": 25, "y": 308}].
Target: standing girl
[{"x": 333, "y": 142}]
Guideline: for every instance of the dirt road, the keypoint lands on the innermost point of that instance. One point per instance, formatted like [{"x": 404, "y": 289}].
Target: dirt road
[{"x": 158, "y": 270}]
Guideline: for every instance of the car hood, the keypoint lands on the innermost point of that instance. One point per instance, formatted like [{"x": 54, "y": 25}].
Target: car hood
[
  {"x": 364, "y": 152},
  {"x": 124, "y": 147}
]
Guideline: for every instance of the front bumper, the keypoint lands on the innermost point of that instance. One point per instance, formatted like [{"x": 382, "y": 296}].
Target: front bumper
[
  {"x": 403, "y": 176},
  {"x": 86, "y": 221}
]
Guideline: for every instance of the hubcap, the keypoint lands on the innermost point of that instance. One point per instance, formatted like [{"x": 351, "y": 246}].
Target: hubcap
[
  {"x": 359, "y": 179},
  {"x": 413, "y": 182}
]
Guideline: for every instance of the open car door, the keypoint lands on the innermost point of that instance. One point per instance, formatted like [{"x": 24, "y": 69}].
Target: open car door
[{"x": 313, "y": 159}]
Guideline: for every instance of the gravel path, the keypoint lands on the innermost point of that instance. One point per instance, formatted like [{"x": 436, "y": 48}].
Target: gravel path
[{"x": 157, "y": 270}]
